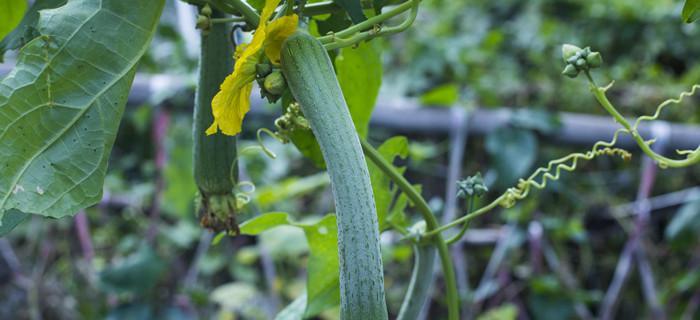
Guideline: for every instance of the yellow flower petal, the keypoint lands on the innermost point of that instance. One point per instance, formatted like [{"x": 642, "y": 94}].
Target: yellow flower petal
[
  {"x": 277, "y": 31},
  {"x": 232, "y": 102}
]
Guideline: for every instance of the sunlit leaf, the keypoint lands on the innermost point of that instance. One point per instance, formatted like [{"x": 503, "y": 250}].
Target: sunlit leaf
[
  {"x": 26, "y": 30},
  {"x": 445, "y": 95},
  {"x": 691, "y": 11},
  {"x": 61, "y": 105},
  {"x": 11, "y": 13}
]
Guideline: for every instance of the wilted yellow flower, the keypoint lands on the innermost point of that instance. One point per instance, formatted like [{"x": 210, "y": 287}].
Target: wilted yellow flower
[{"x": 232, "y": 102}]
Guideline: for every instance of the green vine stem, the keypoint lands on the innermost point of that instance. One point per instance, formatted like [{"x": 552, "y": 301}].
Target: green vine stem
[
  {"x": 421, "y": 280},
  {"x": 512, "y": 195},
  {"x": 430, "y": 221},
  {"x": 692, "y": 157},
  {"x": 325, "y": 7},
  {"x": 249, "y": 14},
  {"x": 359, "y": 32},
  {"x": 465, "y": 226}
]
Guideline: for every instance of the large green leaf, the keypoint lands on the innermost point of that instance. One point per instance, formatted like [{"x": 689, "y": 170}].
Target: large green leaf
[
  {"x": 26, "y": 30},
  {"x": 691, "y": 11},
  {"x": 360, "y": 76},
  {"x": 322, "y": 284},
  {"x": 61, "y": 105},
  {"x": 11, "y": 13}
]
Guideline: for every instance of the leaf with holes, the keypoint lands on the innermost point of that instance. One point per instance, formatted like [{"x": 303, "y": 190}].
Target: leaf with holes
[{"x": 60, "y": 107}]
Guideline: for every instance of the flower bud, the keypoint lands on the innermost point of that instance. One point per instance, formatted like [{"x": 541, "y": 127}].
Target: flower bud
[
  {"x": 275, "y": 83},
  {"x": 594, "y": 59},
  {"x": 570, "y": 71},
  {"x": 263, "y": 69},
  {"x": 581, "y": 63},
  {"x": 203, "y": 22},
  {"x": 206, "y": 10},
  {"x": 568, "y": 51}
]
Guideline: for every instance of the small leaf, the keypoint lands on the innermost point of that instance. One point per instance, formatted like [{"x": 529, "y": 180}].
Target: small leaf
[
  {"x": 360, "y": 76},
  {"x": 353, "y": 8},
  {"x": 264, "y": 222},
  {"x": 11, "y": 13},
  {"x": 505, "y": 312},
  {"x": 445, "y": 95},
  {"x": 691, "y": 11}
]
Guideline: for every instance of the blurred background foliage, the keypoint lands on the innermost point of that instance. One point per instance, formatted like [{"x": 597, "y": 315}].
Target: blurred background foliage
[{"x": 147, "y": 257}]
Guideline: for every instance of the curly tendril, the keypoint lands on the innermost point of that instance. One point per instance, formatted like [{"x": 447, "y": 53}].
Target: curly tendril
[{"x": 567, "y": 163}]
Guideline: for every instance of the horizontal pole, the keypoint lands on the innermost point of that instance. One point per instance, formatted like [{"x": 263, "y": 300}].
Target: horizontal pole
[{"x": 408, "y": 117}]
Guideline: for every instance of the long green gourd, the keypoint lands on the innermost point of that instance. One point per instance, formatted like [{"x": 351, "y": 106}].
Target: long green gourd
[
  {"x": 312, "y": 81},
  {"x": 215, "y": 169}
]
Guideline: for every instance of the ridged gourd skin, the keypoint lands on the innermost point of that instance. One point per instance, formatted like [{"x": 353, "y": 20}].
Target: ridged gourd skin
[
  {"x": 313, "y": 83},
  {"x": 215, "y": 155}
]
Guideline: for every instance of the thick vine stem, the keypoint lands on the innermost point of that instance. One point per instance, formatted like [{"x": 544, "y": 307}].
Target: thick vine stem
[
  {"x": 251, "y": 17},
  {"x": 421, "y": 279},
  {"x": 430, "y": 221},
  {"x": 693, "y": 157},
  {"x": 359, "y": 32}
]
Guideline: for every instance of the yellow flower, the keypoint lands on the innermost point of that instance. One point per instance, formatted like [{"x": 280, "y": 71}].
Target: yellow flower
[{"x": 232, "y": 102}]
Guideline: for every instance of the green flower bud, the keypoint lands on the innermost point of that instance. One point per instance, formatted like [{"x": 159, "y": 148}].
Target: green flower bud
[
  {"x": 206, "y": 10},
  {"x": 275, "y": 83},
  {"x": 569, "y": 50},
  {"x": 263, "y": 69},
  {"x": 581, "y": 63},
  {"x": 570, "y": 71},
  {"x": 594, "y": 60},
  {"x": 203, "y": 22},
  {"x": 585, "y": 52}
]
